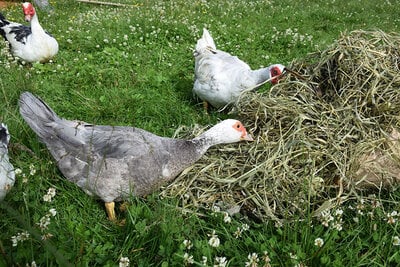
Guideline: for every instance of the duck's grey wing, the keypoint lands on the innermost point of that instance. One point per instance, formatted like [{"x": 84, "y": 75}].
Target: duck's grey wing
[
  {"x": 119, "y": 141},
  {"x": 126, "y": 160}
]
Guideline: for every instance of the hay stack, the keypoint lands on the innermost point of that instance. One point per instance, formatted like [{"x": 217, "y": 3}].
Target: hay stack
[{"x": 338, "y": 129}]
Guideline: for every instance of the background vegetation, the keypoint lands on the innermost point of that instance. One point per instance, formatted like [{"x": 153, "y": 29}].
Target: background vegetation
[{"x": 134, "y": 66}]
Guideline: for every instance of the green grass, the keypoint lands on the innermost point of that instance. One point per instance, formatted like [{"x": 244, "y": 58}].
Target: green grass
[{"x": 134, "y": 66}]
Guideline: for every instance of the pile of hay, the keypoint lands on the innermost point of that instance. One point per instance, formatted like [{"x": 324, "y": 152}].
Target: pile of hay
[{"x": 318, "y": 139}]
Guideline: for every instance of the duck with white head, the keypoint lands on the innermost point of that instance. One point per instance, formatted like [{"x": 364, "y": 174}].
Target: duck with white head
[
  {"x": 220, "y": 78},
  {"x": 113, "y": 162}
]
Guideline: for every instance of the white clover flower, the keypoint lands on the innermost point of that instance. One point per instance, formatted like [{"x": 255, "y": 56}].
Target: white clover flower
[
  {"x": 390, "y": 219},
  {"x": 124, "y": 262},
  {"x": 266, "y": 258},
  {"x": 396, "y": 241},
  {"x": 360, "y": 207},
  {"x": 237, "y": 233},
  {"x": 24, "y": 236},
  {"x": 47, "y": 236},
  {"x": 33, "y": 264},
  {"x": 188, "y": 244},
  {"x": 44, "y": 223},
  {"x": 278, "y": 224},
  {"x": 47, "y": 198},
  {"x": 215, "y": 209},
  {"x": 51, "y": 191},
  {"x": 187, "y": 259},
  {"x": 319, "y": 242},
  {"x": 14, "y": 240},
  {"x": 214, "y": 240},
  {"x": 245, "y": 227},
  {"x": 338, "y": 225},
  {"x": 204, "y": 260},
  {"x": 53, "y": 212},
  {"x": 338, "y": 212},
  {"x": 227, "y": 218},
  {"x": 253, "y": 260},
  {"x": 370, "y": 214},
  {"x": 220, "y": 262},
  {"x": 32, "y": 169},
  {"x": 17, "y": 171},
  {"x": 20, "y": 237}
]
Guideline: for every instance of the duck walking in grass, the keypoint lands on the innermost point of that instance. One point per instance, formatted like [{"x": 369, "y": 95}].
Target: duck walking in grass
[
  {"x": 220, "y": 77},
  {"x": 7, "y": 175},
  {"x": 29, "y": 43},
  {"x": 113, "y": 162}
]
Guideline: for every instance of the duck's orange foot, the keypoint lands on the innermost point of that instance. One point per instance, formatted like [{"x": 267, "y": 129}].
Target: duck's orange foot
[{"x": 110, "y": 209}]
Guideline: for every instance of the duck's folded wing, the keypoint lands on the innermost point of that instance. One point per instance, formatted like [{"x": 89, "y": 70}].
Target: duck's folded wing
[{"x": 119, "y": 141}]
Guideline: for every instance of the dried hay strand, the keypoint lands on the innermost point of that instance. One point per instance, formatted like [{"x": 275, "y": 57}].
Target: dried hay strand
[{"x": 318, "y": 141}]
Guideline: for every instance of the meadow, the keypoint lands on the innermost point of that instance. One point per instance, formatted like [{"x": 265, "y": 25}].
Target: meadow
[{"x": 134, "y": 66}]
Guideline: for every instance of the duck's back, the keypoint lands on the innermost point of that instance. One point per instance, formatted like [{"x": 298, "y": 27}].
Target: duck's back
[{"x": 220, "y": 77}]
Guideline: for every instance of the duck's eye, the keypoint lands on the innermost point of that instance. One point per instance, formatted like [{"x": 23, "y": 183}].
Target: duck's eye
[{"x": 275, "y": 72}]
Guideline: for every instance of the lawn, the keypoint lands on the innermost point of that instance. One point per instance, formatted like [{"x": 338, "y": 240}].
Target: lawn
[{"x": 134, "y": 66}]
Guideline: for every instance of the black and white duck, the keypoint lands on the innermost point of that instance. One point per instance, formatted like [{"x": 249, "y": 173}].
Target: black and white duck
[{"x": 29, "y": 43}]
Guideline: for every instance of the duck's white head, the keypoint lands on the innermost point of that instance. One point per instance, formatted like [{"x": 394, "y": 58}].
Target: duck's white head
[
  {"x": 29, "y": 11},
  {"x": 226, "y": 132},
  {"x": 275, "y": 72}
]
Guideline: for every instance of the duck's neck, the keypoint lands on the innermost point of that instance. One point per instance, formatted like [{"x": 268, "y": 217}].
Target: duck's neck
[
  {"x": 261, "y": 75},
  {"x": 35, "y": 25},
  {"x": 206, "y": 140}
]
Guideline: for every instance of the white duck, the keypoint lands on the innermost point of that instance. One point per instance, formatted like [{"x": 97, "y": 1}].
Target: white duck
[
  {"x": 7, "y": 175},
  {"x": 112, "y": 162},
  {"x": 220, "y": 77},
  {"x": 29, "y": 43}
]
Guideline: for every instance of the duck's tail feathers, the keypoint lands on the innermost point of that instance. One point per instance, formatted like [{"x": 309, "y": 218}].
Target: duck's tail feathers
[
  {"x": 3, "y": 22},
  {"x": 205, "y": 43},
  {"x": 38, "y": 115},
  {"x": 4, "y": 135}
]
